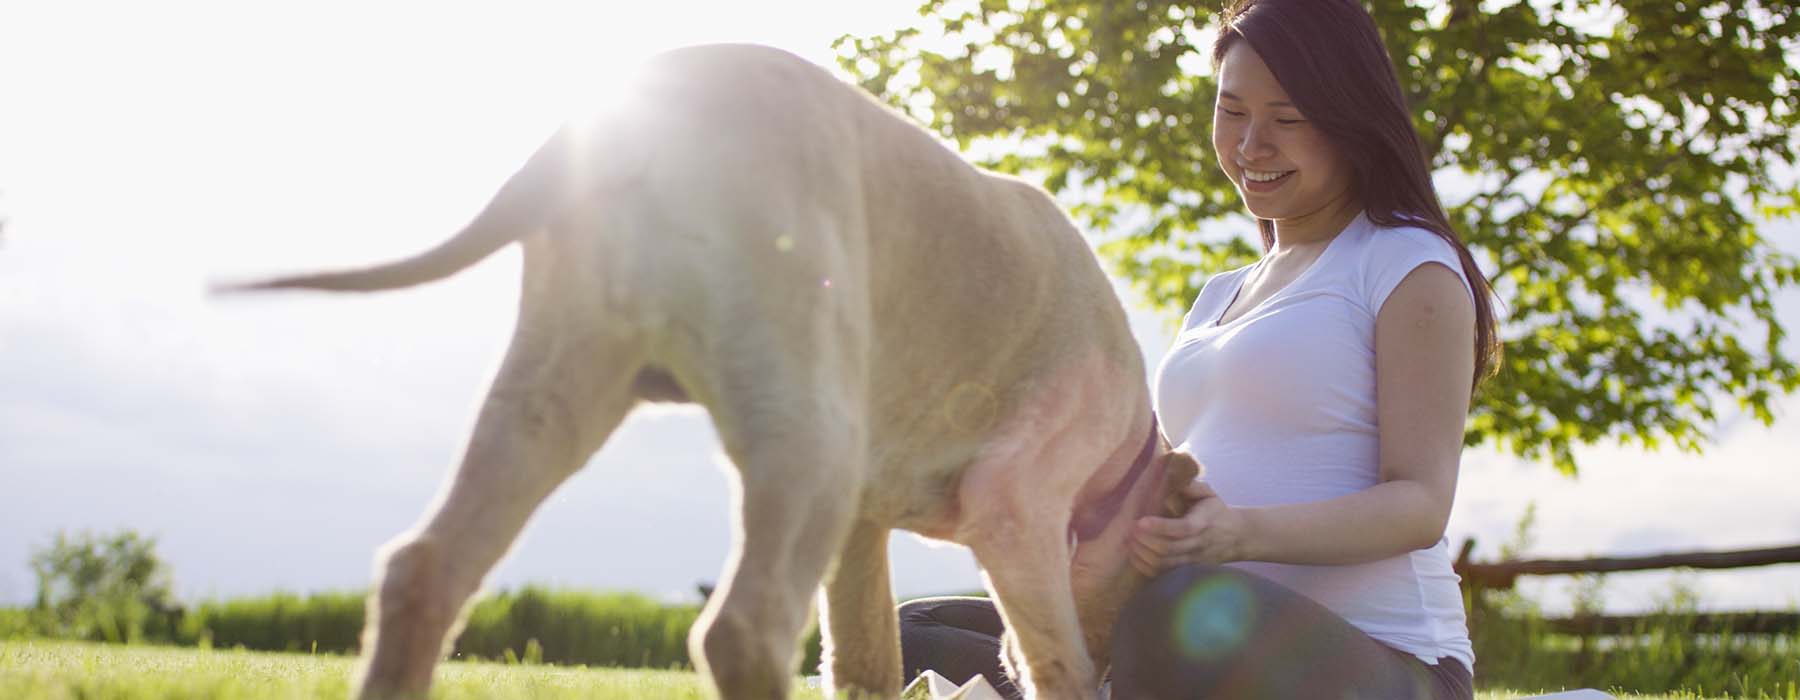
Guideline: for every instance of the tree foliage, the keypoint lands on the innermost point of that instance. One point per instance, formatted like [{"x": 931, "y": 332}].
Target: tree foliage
[
  {"x": 1608, "y": 161},
  {"x": 105, "y": 588}
]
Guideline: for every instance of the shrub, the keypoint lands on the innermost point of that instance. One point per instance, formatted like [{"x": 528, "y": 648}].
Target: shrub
[
  {"x": 565, "y": 627},
  {"x": 327, "y": 622},
  {"x": 111, "y": 588},
  {"x": 19, "y": 623},
  {"x": 574, "y": 627}
]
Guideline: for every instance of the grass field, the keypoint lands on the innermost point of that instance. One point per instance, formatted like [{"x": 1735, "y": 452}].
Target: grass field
[
  {"x": 47, "y": 670},
  {"x": 51, "y": 670}
]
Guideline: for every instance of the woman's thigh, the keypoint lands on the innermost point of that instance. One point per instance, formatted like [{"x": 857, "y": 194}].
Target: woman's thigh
[{"x": 1217, "y": 632}]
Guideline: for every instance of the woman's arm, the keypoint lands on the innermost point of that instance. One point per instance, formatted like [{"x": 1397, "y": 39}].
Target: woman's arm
[{"x": 1424, "y": 363}]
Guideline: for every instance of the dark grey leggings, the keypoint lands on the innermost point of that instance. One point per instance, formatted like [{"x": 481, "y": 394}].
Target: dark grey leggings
[{"x": 1195, "y": 632}]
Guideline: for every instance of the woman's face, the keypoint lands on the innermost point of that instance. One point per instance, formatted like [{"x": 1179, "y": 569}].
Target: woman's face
[{"x": 1283, "y": 166}]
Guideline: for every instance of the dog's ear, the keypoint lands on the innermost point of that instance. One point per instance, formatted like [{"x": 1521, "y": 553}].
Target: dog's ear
[{"x": 1179, "y": 468}]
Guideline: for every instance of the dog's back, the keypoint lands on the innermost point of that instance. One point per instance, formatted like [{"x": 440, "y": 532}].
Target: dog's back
[
  {"x": 742, "y": 179},
  {"x": 884, "y": 335}
]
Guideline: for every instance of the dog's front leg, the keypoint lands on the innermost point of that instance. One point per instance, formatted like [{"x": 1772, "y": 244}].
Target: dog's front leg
[
  {"x": 1026, "y": 567},
  {"x": 862, "y": 634}
]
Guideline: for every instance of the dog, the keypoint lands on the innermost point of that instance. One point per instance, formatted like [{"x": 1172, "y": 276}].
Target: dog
[{"x": 884, "y": 335}]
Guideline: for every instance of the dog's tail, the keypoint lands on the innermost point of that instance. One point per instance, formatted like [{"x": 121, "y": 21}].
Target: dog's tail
[{"x": 523, "y": 205}]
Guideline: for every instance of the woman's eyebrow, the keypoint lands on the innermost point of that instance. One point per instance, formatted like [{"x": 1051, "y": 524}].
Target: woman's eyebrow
[{"x": 1227, "y": 94}]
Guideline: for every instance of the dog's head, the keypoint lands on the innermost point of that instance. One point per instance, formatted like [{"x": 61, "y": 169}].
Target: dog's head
[
  {"x": 1103, "y": 576},
  {"x": 1179, "y": 468}
]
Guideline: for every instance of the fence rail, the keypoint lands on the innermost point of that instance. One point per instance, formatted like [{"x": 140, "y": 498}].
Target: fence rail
[
  {"x": 1504, "y": 574},
  {"x": 1698, "y": 623}
]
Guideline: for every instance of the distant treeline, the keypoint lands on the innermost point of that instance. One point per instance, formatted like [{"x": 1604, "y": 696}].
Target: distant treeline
[{"x": 533, "y": 623}]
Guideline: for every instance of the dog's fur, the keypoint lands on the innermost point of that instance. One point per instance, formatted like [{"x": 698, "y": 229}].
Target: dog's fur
[{"x": 885, "y": 337}]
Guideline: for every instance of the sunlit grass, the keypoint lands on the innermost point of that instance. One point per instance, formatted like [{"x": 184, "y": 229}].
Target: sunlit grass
[
  {"x": 50, "y": 670},
  {"x": 55, "y": 670}
]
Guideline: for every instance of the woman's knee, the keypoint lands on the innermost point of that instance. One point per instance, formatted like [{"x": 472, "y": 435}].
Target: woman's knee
[
  {"x": 915, "y": 611},
  {"x": 959, "y": 612},
  {"x": 1202, "y": 608},
  {"x": 1186, "y": 629},
  {"x": 1192, "y": 590}
]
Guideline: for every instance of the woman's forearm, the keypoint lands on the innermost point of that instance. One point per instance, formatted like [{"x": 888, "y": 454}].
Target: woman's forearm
[{"x": 1386, "y": 520}]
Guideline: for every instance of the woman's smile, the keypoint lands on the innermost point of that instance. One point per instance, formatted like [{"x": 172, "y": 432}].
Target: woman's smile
[{"x": 1262, "y": 181}]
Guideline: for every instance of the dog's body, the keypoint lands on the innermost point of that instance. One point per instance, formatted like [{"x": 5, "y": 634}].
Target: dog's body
[{"x": 885, "y": 337}]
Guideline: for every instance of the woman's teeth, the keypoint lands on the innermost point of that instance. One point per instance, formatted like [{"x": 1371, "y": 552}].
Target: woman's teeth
[{"x": 1263, "y": 176}]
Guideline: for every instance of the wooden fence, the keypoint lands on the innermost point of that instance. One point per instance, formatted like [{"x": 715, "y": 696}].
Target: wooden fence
[{"x": 1504, "y": 574}]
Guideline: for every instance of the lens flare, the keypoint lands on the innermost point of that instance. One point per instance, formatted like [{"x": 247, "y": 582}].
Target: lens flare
[{"x": 1214, "y": 618}]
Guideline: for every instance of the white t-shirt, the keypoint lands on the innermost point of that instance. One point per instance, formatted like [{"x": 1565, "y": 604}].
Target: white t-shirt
[{"x": 1279, "y": 405}]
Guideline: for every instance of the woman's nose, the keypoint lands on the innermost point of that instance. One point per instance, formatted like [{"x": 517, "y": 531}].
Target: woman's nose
[{"x": 1252, "y": 145}]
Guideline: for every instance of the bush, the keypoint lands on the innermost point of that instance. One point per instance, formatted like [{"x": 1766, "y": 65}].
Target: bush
[
  {"x": 532, "y": 624},
  {"x": 19, "y": 623},
  {"x": 568, "y": 627},
  {"x": 574, "y": 627},
  {"x": 111, "y": 588},
  {"x": 321, "y": 622}
]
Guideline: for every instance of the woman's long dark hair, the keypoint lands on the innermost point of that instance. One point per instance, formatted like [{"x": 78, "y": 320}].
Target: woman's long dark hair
[{"x": 1329, "y": 58}]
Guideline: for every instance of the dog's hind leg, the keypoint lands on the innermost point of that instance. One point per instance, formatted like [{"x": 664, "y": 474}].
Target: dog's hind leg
[
  {"x": 862, "y": 633},
  {"x": 554, "y": 401},
  {"x": 791, "y": 420}
]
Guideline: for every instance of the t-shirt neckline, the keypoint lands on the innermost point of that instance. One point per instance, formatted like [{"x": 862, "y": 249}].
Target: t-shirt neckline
[{"x": 1285, "y": 290}]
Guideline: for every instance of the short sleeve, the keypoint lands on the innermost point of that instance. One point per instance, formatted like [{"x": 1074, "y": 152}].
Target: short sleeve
[{"x": 1395, "y": 253}]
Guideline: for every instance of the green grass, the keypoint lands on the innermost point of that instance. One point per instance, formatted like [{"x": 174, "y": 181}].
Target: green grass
[
  {"x": 55, "y": 670},
  {"x": 1666, "y": 652}
]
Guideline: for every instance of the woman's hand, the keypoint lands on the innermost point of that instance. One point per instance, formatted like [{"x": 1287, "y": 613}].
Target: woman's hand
[{"x": 1211, "y": 532}]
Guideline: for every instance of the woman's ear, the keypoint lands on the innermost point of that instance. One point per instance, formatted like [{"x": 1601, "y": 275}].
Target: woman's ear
[{"x": 1179, "y": 468}]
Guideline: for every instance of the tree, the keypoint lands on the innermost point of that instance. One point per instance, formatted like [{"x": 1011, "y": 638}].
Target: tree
[
  {"x": 1612, "y": 159},
  {"x": 106, "y": 588}
]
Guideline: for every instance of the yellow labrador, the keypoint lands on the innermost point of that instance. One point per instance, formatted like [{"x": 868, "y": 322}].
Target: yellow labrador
[{"x": 885, "y": 336}]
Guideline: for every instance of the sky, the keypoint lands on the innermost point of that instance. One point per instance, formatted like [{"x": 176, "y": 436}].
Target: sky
[{"x": 273, "y": 443}]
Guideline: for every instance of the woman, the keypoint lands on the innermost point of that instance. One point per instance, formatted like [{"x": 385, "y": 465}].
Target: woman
[{"x": 1325, "y": 389}]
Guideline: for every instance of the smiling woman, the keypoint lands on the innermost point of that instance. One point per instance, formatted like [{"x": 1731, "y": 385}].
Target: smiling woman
[
  {"x": 1325, "y": 389},
  {"x": 1285, "y": 168}
]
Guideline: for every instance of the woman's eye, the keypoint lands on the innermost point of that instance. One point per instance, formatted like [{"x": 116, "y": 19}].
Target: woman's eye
[
  {"x": 1230, "y": 113},
  {"x": 1290, "y": 122}
]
